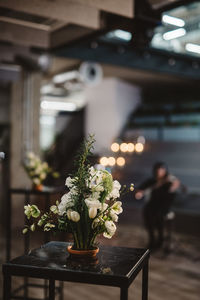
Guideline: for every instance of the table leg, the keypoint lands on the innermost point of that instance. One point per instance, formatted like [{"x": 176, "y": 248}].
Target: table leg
[
  {"x": 8, "y": 226},
  {"x": 145, "y": 271},
  {"x": 51, "y": 289},
  {"x": 26, "y": 236},
  {"x": 61, "y": 287},
  {"x": 6, "y": 287},
  {"x": 124, "y": 293},
  {"x": 25, "y": 288}
]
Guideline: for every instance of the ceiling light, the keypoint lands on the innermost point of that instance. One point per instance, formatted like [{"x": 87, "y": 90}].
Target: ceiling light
[
  {"x": 120, "y": 34},
  {"x": 63, "y": 77},
  {"x": 60, "y": 106},
  {"x": 173, "y": 21},
  {"x": 193, "y": 48},
  {"x": 174, "y": 34}
]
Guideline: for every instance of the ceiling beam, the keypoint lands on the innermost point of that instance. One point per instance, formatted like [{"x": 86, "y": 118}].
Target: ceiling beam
[
  {"x": 24, "y": 33},
  {"x": 178, "y": 65},
  {"x": 68, "y": 34},
  {"x": 63, "y": 10},
  {"x": 124, "y": 8}
]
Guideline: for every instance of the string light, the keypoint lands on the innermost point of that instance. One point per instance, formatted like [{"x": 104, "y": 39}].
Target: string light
[
  {"x": 121, "y": 161},
  {"x": 104, "y": 161},
  {"x": 111, "y": 161},
  {"x": 124, "y": 147},
  {"x": 139, "y": 147},
  {"x": 131, "y": 147},
  {"x": 115, "y": 147}
]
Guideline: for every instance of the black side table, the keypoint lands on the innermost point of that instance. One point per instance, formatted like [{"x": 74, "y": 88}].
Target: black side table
[
  {"x": 26, "y": 194},
  {"x": 115, "y": 266}
]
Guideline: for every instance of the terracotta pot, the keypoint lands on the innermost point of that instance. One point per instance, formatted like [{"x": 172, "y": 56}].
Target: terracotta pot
[
  {"x": 38, "y": 187},
  {"x": 83, "y": 253}
]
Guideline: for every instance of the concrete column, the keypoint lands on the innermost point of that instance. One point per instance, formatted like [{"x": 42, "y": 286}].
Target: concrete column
[
  {"x": 108, "y": 109},
  {"x": 25, "y": 112}
]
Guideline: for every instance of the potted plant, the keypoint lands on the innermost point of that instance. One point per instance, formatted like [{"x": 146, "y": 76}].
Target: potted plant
[
  {"x": 38, "y": 170},
  {"x": 90, "y": 207}
]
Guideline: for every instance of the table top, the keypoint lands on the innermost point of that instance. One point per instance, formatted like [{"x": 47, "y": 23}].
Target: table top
[
  {"x": 46, "y": 190},
  {"x": 114, "y": 266}
]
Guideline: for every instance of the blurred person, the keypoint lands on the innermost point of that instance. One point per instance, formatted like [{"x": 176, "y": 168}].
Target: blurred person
[{"x": 159, "y": 191}]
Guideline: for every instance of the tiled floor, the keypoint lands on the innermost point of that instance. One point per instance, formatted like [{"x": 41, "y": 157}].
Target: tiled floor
[{"x": 173, "y": 277}]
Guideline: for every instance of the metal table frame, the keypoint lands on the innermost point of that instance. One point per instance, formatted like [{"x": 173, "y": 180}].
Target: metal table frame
[
  {"x": 21, "y": 267},
  {"x": 27, "y": 194}
]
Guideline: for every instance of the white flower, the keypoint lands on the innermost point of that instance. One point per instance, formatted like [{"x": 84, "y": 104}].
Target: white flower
[
  {"x": 113, "y": 215},
  {"x": 115, "y": 191},
  {"x": 110, "y": 228},
  {"x": 32, "y": 164},
  {"x": 45, "y": 165},
  {"x": 30, "y": 155},
  {"x": 43, "y": 176},
  {"x": 92, "y": 212},
  {"x": 117, "y": 207},
  {"x": 106, "y": 235},
  {"x": 66, "y": 202},
  {"x": 69, "y": 182},
  {"x": 73, "y": 191},
  {"x": 38, "y": 170},
  {"x": 69, "y": 213},
  {"x": 92, "y": 171},
  {"x": 104, "y": 206},
  {"x": 74, "y": 215},
  {"x": 99, "y": 188},
  {"x": 36, "y": 181},
  {"x": 90, "y": 202}
]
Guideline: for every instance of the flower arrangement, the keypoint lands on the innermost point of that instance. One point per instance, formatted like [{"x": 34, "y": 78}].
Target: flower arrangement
[
  {"x": 38, "y": 170},
  {"x": 89, "y": 208}
]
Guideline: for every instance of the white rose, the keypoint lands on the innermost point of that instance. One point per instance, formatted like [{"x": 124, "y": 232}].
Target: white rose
[
  {"x": 75, "y": 217},
  {"x": 69, "y": 213},
  {"x": 106, "y": 235},
  {"x": 110, "y": 227},
  {"x": 92, "y": 212},
  {"x": 90, "y": 202},
  {"x": 113, "y": 216}
]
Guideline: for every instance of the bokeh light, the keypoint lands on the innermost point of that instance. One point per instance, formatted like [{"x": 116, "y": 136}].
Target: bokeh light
[
  {"x": 104, "y": 161},
  {"x": 124, "y": 147},
  {"x": 111, "y": 161},
  {"x": 121, "y": 161},
  {"x": 139, "y": 147},
  {"x": 131, "y": 147},
  {"x": 115, "y": 147}
]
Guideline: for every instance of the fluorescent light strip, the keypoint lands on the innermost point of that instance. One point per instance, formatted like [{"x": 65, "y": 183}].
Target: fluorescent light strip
[
  {"x": 59, "y": 106},
  {"x": 192, "y": 48},
  {"x": 120, "y": 34},
  {"x": 173, "y": 21},
  {"x": 170, "y": 35}
]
